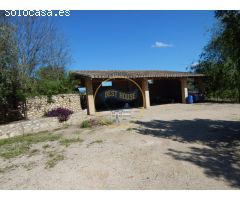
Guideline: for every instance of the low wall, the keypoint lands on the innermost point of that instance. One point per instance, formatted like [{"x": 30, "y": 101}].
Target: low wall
[
  {"x": 38, "y": 106},
  {"x": 38, "y": 125}
]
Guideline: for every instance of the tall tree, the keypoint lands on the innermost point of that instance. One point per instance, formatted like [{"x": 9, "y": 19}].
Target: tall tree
[
  {"x": 26, "y": 44},
  {"x": 9, "y": 82},
  {"x": 220, "y": 60},
  {"x": 39, "y": 44}
]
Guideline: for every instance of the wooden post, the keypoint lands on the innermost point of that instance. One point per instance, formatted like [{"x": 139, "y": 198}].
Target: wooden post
[
  {"x": 184, "y": 89},
  {"x": 90, "y": 99},
  {"x": 146, "y": 93}
]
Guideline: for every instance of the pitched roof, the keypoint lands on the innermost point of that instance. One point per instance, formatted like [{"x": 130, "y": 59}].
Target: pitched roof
[{"x": 133, "y": 74}]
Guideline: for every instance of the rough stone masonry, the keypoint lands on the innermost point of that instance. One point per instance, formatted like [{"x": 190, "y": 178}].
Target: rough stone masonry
[{"x": 38, "y": 106}]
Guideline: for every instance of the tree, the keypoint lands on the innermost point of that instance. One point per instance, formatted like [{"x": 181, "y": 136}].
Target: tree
[
  {"x": 53, "y": 80},
  {"x": 220, "y": 60},
  {"x": 9, "y": 83},
  {"x": 26, "y": 44},
  {"x": 39, "y": 44}
]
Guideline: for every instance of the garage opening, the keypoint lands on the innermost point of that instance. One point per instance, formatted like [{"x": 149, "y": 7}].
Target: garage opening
[{"x": 164, "y": 91}]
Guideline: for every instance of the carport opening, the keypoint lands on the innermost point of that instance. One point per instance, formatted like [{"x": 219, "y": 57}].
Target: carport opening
[
  {"x": 117, "y": 94},
  {"x": 164, "y": 91}
]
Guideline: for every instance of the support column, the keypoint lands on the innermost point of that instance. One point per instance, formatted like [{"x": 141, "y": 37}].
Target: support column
[
  {"x": 184, "y": 89},
  {"x": 146, "y": 93},
  {"x": 90, "y": 99}
]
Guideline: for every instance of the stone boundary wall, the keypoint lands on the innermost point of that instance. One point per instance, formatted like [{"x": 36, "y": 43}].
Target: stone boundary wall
[
  {"x": 38, "y": 106},
  {"x": 38, "y": 125}
]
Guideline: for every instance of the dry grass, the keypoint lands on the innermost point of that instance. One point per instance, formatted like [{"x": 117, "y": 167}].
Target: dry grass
[
  {"x": 95, "y": 142},
  {"x": 55, "y": 159},
  {"x": 20, "y": 145},
  {"x": 90, "y": 123},
  {"x": 68, "y": 142}
]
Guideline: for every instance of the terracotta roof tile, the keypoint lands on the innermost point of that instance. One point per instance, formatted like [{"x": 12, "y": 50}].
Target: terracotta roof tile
[{"x": 133, "y": 74}]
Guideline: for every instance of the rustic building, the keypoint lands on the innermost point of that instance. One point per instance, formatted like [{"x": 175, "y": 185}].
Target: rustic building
[{"x": 133, "y": 88}]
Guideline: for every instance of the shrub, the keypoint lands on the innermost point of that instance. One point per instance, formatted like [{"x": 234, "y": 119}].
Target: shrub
[
  {"x": 96, "y": 122},
  {"x": 106, "y": 122},
  {"x": 86, "y": 124},
  {"x": 62, "y": 114}
]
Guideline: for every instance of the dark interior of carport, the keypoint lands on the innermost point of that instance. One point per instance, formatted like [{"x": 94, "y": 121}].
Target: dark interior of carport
[{"x": 163, "y": 91}]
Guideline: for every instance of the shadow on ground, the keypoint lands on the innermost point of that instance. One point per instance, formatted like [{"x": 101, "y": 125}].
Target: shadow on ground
[{"x": 220, "y": 157}]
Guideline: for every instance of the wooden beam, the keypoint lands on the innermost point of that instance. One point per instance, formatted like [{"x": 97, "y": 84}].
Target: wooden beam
[{"x": 90, "y": 98}]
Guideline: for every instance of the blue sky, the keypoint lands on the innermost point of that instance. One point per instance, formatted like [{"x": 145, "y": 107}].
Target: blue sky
[{"x": 136, "y": 40}]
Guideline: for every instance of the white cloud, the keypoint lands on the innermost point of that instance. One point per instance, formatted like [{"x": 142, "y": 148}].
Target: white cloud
[
  {"x": 161, "y": 45},
  {"x": 194, "y": 64}
]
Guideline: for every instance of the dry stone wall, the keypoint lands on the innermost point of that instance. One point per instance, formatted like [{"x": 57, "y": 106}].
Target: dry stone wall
[
  {"x": 38, "y": 106},
  {"x": 28, "y": 126},
  {"x": 37, "y": 125}
]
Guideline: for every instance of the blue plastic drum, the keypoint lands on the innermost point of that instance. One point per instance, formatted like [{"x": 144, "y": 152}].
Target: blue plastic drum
[{"x": 190, "y": 99}]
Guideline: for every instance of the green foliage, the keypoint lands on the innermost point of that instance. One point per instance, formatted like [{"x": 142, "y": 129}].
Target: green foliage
[
  {"x": 51, "y": 81},
  {"x": 55, "y": 159},
  {"x": 67, "y": 142},
  {"x": 20, "y": 145},
  {"x": 220, "y": 60},
  {"x": 86, "y": 124},
  {"x": 8, "y": 60},
  {"x": 106, "y": 122},
  {"x": 26, "y": 44},
  {"x": 96, "y": 122}
]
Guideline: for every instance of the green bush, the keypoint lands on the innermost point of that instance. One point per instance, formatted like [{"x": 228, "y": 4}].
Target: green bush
[
  {"x": 86, "y": 124},
  {"x": 96, "y": 122}
]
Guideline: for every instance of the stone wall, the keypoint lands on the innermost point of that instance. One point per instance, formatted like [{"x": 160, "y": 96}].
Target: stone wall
[
  {"x": 38, "y": 106},
  {"x": 28, "y": 126},
  {"x": 38, "y": 125}
]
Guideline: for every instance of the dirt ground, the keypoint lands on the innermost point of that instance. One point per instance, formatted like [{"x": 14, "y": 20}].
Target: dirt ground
[{"x": 175, "y": 146}]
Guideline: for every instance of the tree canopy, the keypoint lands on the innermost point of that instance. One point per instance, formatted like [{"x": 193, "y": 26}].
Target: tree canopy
[
  {"x": 33, "y": 57},
  {"x": 220, "y": 60}
]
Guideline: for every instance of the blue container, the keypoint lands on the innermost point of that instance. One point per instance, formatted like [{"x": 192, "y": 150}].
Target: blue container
[{"x": 190, "y": 99}]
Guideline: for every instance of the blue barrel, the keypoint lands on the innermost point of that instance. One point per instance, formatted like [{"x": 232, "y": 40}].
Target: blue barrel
[{"x": 190, "y": 99}]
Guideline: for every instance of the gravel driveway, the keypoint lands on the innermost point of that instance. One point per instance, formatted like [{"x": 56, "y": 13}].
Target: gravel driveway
[{"x": 175, "y": 146}]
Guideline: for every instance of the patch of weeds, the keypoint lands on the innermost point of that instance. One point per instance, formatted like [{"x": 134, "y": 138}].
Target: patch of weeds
[
  {"x": 30, "y": 165},
  {"x": 20, "y": 145},
  {"x": 134, "y": 121},
  {"x": 13, "y": 150},
  {"x": 8, "y": 168},
  {"x": 33, "y": 152},
  {"x": 129, "y": 129},
  {"x": 68, "y": 142},
  {"x": 46, "y": 146},
  {"x": 65, "y": 126},
  {"x": 96, "y": 122},
  {"x": 52, "y": 153},
  {"x": 95, "y": 142},
  {"x": 54, "y": 161},
  {"x": 86, "y": 124},
  {"x": 106, "y": 122}
]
